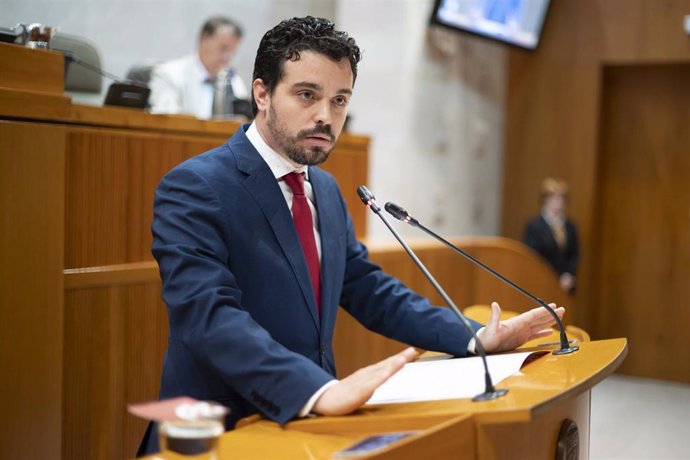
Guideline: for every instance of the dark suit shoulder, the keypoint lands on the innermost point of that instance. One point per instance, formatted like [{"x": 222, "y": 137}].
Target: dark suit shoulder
[
  {"x": 324, "y": 177},
  {"x": 234, "y": 159},
  {"x": 536, "y": 222},
  {"x": 210, "y": 163}
]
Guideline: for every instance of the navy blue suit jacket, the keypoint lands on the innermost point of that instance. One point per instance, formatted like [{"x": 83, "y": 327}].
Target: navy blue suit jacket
[{"x": 244, "y": 326}]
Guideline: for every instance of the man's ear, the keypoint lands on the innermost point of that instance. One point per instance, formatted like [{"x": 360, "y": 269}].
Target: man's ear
[{"x": 261, "y": 95}]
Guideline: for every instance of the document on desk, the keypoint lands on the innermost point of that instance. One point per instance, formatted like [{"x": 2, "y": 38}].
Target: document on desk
[{"x": 438, "y": 379}]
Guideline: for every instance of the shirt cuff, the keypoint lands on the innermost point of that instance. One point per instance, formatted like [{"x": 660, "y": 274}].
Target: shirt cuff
[
  {"x": 306, "y": 409},
  {"x": 471, "y": 346}
]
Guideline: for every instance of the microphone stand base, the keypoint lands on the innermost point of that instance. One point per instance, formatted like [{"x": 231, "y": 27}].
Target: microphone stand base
[
  {"x": 490, "y": 395},
  {"x": 565, "y": 351}
]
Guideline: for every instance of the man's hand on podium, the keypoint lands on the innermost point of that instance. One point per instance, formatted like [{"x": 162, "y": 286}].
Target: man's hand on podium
[
  {"x": 350, "y": 393},
  {"x": 509, "y": 334}
]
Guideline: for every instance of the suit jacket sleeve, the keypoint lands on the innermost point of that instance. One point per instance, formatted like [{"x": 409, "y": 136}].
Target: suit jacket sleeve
[
  {"x": 385, "y": 305},
  {"x": 205, "y": 303}
]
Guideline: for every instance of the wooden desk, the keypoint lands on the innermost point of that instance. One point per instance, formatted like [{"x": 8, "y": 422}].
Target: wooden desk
[{"x": 524, "y": 424}]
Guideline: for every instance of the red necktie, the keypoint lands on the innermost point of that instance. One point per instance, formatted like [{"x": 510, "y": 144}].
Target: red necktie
[{"x": 301, "y": 215}]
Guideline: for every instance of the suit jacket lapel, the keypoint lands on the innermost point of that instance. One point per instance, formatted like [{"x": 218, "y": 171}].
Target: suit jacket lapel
[
  {"x": 261, "y": 184},
  {"x": 548, "y": 233},
  {"x": 325, "y": 201}
]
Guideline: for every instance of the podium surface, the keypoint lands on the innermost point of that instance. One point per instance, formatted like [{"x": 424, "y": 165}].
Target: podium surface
[{"x": 524, "y": 424}]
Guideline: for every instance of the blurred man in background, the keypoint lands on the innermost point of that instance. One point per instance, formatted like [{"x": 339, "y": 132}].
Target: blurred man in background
[
  {"x": 202, "y": 84},
  {"x": 553, "y": 235}
]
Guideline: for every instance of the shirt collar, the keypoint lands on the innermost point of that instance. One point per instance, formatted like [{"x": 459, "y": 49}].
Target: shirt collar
[
  {"x": 279, "y": 166},
  {"x": 552, "y": 219},
  {"x": 203, "y": 74},
  {"x": 200, "y": 69}
]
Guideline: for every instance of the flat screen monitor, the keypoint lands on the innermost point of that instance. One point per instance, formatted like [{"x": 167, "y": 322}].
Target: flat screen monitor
[{"x": 517, "y": 22}]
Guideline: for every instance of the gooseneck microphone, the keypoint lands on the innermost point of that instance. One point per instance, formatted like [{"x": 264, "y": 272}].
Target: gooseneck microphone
[
  {"x": 71, "y": 57},
  {"x": 400, "y": 214},
  {"x": 489, "y": 391},
  {"x": 124, "y": 93}
]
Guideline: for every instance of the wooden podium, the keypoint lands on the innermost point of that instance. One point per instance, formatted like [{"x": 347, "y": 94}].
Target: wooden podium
[{"x": 524, "y": 424}]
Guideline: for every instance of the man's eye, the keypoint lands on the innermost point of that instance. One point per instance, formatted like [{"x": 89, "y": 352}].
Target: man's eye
[
  {"x": 306, "y": 95},
  {"x": 340, "y": 101}
]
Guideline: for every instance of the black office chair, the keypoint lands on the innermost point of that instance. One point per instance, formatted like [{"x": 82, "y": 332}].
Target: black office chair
[{"x": 141, "y": 73}]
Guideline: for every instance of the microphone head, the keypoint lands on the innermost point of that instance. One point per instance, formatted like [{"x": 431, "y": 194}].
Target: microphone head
[
  {"x": 364, "y": 194},
  {"x": 368, "y": 198},
  {"x": 396, "y": 211},
  {"x": 399, "y": 213}
]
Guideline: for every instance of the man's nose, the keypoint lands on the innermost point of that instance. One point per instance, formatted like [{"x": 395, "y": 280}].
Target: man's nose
[{"x": 323, "y": 114}]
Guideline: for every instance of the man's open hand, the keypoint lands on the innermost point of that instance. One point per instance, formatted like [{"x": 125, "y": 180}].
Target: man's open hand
[
  {"x": 509, "y": 334},
  {"x": 354, "y": 390}
]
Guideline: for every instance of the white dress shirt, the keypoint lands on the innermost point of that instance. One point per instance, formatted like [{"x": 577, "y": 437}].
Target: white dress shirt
[
  {"x": 182, "y": 86},
  {"x": 280, "y": 167}
]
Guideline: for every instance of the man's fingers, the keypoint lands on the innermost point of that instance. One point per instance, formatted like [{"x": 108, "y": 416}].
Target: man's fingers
[
  {"x": 374, "y": 375},
  {"x": 355, "y": 389},
  {"x": 495, "y": 318},
  {"x": 404, "y": 356},
  {"x": 540, "y": 317},
  {"x": 382, "y": 370},
  {"x": 542, "y": 333}
]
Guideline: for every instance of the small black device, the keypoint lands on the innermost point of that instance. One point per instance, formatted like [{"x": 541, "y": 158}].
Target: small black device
[
  {"x": 127, "y": 95},
  {"x": 12, "y": 35},
  {"x": 371, "y": 444}
]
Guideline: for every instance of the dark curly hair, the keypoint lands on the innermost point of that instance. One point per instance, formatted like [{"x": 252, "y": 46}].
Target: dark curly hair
[{"x": 292, "y": 36}]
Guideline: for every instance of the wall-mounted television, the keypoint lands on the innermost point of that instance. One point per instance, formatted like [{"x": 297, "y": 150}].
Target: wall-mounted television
[{"x": 517, "y": 22}]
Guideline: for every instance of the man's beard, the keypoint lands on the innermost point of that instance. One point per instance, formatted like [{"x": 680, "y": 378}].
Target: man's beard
[{"x": 289, "y": 145}]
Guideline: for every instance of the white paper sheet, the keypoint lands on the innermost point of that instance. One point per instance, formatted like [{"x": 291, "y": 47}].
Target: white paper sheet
[{"x": 445, "y": 378}]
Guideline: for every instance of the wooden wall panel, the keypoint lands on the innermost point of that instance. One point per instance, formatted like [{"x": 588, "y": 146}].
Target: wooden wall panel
[
  {"x": 19, "y": 66},
  {"x": 643, "y": 225},
  {"x": 31, "y": 307},
  {"x": 348, "y": 162},
  {"x": 554, "y": 121},
  {"x": 115, "y": 339},
  {"x": 522, "y": 266},
  {"x": 112, "y": 176},
  {"x": 111, "y": 179}
]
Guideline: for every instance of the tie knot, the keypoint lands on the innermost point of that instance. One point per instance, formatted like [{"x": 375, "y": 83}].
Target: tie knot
[{"x": 295, "y": 180}]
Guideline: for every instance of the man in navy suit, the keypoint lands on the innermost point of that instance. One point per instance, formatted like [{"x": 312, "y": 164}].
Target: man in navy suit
[{"x": 252, "y": 297}]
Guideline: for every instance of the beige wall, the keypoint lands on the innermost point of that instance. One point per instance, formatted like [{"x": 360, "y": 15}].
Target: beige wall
[{"x": 433, "y": 103}]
